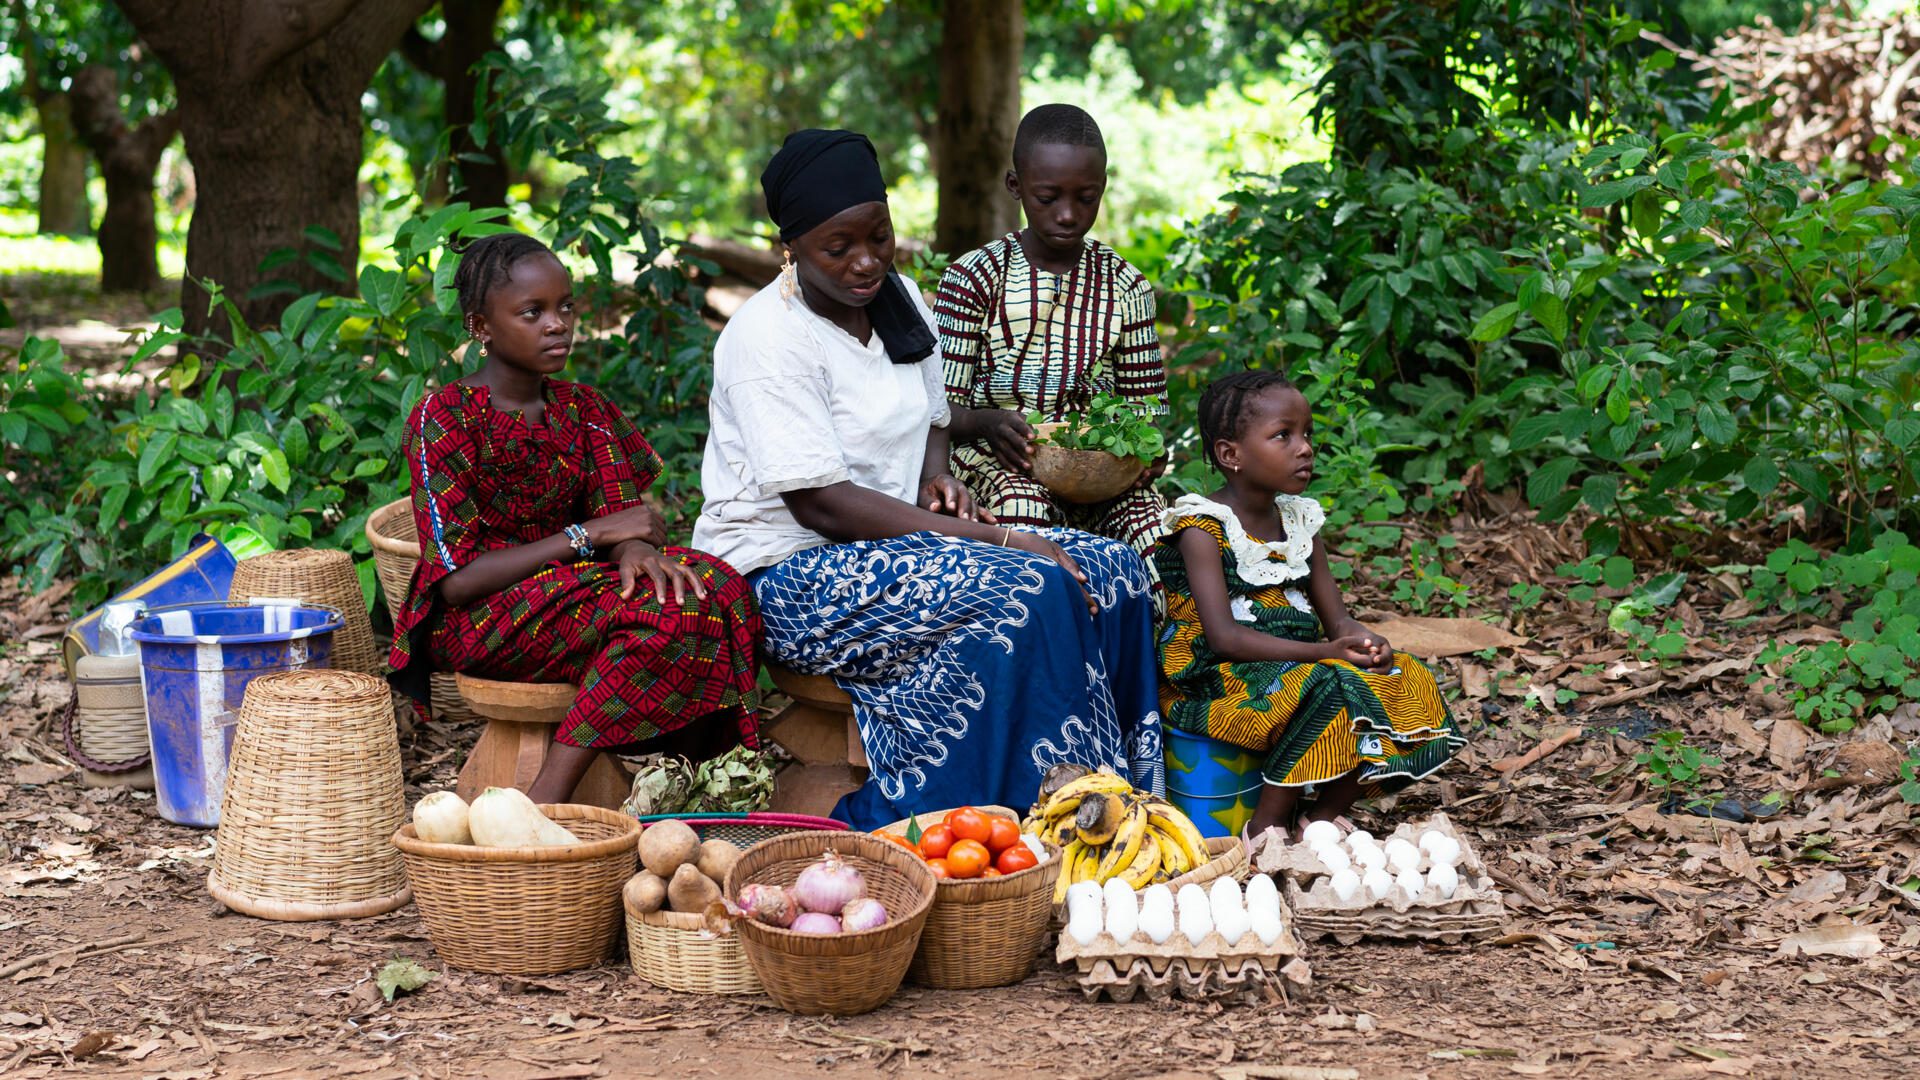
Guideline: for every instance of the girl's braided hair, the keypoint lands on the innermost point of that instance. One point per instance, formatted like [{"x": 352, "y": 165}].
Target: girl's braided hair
[
  {"x": 1223, "y": 405},
  {"x": 487, "y": 262}
]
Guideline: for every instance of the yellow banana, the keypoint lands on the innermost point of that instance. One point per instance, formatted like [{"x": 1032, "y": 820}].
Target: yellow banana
[
  {"x": 1126, "y": 843},
  {"x": 1069, "y": 796},
  {"x": 1088, "y": 869},
  {"x": 1100, "y": 817},
  {"x": 1173, "y": 857},
  {"x": 1068, "y": 858},
  {"x": 1140, "y": 872},
  {"x": 1176, "y": 825}
]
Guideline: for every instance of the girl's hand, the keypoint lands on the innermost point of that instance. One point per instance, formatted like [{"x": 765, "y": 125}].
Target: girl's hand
[
  {"x": 1151, "y": 473},
  {"x": 943, "y": 494},
  {"x": 1377, "y": 647},
  {"x": 636, "y": 522},
  {"x": 1040, "y": 545},
  {"x": 1356, "y": 649},
  {"x": 668, "y": 574},
  {"x": 1010, "y": 437}
]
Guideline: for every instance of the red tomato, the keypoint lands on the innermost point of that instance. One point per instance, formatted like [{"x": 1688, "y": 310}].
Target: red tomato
[
  {"x": 970, "y": 824},
  {"x": 901, "y": 840},
  {"x": 1015, "y": 859},
  {"x": 967, "y": 858},
  {"x": 939, "y": 868},
  {"x": 990, "y": 872},
  {"x": 935, "y": 842},
  {"x": 1005, "y": 834}
]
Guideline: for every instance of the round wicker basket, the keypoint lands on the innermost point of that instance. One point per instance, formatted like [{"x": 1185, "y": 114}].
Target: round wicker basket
[
  {"x": 526, "y": 911},
  {"x": 984, "y": 931},
  {"x": 313, "y": 791},
  {"x": 326, "y": 578},
  {"x": 1082, "y": 476},
  {"x": 842, "y": 974},
  {"x": 396, "y": 548},
  {"x": 673, "y": 951}
]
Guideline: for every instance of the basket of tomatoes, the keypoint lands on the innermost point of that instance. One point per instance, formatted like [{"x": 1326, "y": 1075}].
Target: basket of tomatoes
[{"x": 992, "y": 899}]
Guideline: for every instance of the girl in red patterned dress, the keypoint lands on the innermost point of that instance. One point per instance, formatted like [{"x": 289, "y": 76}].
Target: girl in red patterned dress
[{"x": 539, "y": 561}]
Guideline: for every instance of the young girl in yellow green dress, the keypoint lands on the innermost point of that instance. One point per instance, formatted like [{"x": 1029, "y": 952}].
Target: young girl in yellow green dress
[{"x": 1258, "y": 649}]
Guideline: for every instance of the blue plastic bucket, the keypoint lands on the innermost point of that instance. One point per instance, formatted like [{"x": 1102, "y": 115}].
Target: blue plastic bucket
[
  {"x": 195, "y": 663},
  {"x": 202, "y": 575},
  {"x": 1216, "y": 784}
]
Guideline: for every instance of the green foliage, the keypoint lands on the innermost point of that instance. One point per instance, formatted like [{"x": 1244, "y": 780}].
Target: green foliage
[
  {"x": 1675, "y": 768},
  {"x": 1875, "y": 663},
  {"x": 1117, "y": 425},
  {"x": 1910, "y": 776},
  {"x": 1741, "y": 343}
]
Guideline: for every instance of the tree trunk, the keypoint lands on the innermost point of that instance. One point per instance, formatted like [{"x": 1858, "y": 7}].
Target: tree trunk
[
  {"x": 270, "y": 106},
  {"x": 469, "y": 35},
  {"x": 127, "y": 157},
  {"x": 979, "y": 108},
  {"x": 64, "y": 208}
]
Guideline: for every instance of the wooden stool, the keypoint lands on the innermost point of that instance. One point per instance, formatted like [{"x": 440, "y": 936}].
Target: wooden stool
[
  {"x": 520, "y": 722},
  {"x": 818, "y": 729}
]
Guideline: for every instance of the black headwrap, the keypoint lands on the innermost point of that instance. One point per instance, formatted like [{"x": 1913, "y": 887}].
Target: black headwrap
[{"x": 815, "y": 176}]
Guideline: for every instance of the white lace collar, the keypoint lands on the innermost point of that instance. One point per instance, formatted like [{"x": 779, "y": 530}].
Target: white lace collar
[{"x": 1260, "y": 562}]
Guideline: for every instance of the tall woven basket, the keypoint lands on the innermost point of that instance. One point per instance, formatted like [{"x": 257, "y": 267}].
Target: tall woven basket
[
  {"x": 396, "y": 548},
  {"x": 526, "y": 910},
  {"x": 313, "y": 793},
  {"x": 842, "y": 974},
  {"x": 319, "y": 577}
]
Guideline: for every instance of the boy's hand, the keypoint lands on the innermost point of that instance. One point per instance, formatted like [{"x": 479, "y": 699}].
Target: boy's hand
[{"x": 1009, "y": 436}]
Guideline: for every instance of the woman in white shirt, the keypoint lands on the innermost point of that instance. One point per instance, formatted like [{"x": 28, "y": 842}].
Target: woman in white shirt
[{"x": 977, "y": 655}]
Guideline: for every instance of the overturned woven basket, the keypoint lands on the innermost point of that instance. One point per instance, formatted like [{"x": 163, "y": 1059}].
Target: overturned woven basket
[
  {"x": 396, "y": 548},
  {"x": 313, "y": 793},
  {"x": 326, "y": 578}
]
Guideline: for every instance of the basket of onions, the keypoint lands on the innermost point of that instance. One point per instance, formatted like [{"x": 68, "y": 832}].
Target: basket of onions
[{"x": 830, "y": 920}]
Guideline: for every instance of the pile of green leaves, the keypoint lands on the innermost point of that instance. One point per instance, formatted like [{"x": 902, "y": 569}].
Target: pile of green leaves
[
  {"x": 1675, "y": 768},
  {"x": 1120, "y": 426}
]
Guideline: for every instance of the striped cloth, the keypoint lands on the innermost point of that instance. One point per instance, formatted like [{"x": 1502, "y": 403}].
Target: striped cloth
[{"x": 1313, "y": 721}]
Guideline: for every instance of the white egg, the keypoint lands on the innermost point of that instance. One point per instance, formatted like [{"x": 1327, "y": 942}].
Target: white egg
[
  {"x": 1157, "y": 922},
  {"x": 1156, "y": 898},
  {"x": 1084, "y": 894},
  {"x": 1084, "y": 926},
  {"x": 1409, "y": 885},
  {"x": 1196, "y": 913},
  {"x": 1320, "y": 832},
  {"x": 1123, "y": 911},
  {"x": 1431, "y": 837},
  {"x": 1266, "y": 926},
  {"x": 1345, "y": 884},
  {"x": 1229, "y": 913},
  {"x": 1447, "y": 850},
  {"x": 1333, "y": 859},
  {"x": 1370, "y": 858},
  {"x": 1443, "y": 878},
  {"x": 1260, "y": 888},
  {"x": 1358, "y": 837},
  {"x": 1402, "y": 856},
  {"x": 1377, "y": 883}
]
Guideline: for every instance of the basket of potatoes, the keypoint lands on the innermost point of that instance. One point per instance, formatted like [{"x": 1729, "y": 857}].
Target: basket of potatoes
[{"x": 678, "y": 936}]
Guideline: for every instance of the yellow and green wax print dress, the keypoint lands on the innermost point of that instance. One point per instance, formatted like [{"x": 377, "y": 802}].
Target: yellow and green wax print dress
[{"x": 1313, "y": 721}]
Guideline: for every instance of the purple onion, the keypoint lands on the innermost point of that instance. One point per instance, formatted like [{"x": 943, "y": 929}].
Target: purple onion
[
  {"x": 769, "y": 904},
  {"x": 812, "y": 922},
  {"x": 829, "y": 885},
  {"x": 865, "y": 913}
]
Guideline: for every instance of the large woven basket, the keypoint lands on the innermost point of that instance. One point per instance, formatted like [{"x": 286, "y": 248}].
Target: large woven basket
[
  {"x": 842, "y": 974},
  {"x": 313, "y": 793},
  {"x": 396, "y": 548},
  {"x": 530, "y": 910},
  {"x": 326, "y": 578},
  {"x": 674, "y": 951},
  {"x": 984, "y": 931}
]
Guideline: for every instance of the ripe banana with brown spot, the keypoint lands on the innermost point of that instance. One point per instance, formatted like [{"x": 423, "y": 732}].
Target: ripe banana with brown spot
[
  {"x": 1180, "y": 829},
  {"x": 1069, "y": 858},
  {"x": 1139, "y": 874},
  {"x": 1127, "y": 840}
]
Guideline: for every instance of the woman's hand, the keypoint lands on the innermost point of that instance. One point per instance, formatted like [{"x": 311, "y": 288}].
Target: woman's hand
[
  {"x": 1151, "y": 473},
  {"x": 636, "y": 522},
  {"x": 668, "y": 574},
  {"x": 1008, "y": 435},
  {"x": 943, "y": 494},
  {"x": 1036, "y": 544}
]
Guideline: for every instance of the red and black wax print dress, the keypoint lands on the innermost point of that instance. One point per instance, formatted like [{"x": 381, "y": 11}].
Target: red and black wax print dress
[{"x": 484, "y": 480}]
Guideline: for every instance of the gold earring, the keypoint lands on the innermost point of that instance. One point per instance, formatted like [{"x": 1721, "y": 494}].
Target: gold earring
[
  {"x": 483, "y": 348},
  {"x": 789, "y": 282}
]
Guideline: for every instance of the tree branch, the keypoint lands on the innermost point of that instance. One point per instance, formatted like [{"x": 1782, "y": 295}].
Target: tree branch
[{"x": 421, "y": 53}]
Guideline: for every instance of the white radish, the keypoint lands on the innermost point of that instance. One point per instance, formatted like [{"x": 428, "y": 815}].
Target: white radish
[{"x": 1123, "y": 910}]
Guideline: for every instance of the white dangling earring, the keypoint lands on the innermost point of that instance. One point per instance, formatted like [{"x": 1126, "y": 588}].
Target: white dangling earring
[{"x": 789, "y": 281}]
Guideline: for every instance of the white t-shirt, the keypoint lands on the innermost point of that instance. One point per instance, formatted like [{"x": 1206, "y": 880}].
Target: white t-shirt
[{"x": 799, "y": 403}]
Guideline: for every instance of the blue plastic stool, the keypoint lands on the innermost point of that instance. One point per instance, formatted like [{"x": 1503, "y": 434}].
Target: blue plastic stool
[{"x": 1216, "y": 784}]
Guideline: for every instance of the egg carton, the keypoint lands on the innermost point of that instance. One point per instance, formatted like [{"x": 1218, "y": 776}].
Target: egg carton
[
  {"x": 1475, "y": 909},
  {"x": 1212, "y": 969}
]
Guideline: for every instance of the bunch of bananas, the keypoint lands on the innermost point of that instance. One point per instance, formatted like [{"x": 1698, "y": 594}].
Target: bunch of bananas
[{"x": 1106, "y": 829}]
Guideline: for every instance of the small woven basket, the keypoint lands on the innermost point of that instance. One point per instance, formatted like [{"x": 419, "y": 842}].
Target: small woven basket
[
  {"x": 1229, "y": 859},
  {"x": 673, "y": 951},
  {"x": 326, "y": 578},
  {"x": 984, "y": 931},
  {"x": 529, "y": 910},
  {"x": 313, "y": 792},
  {"x": 842, "y": 974},
  {"x": 396, "y": 548}
]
